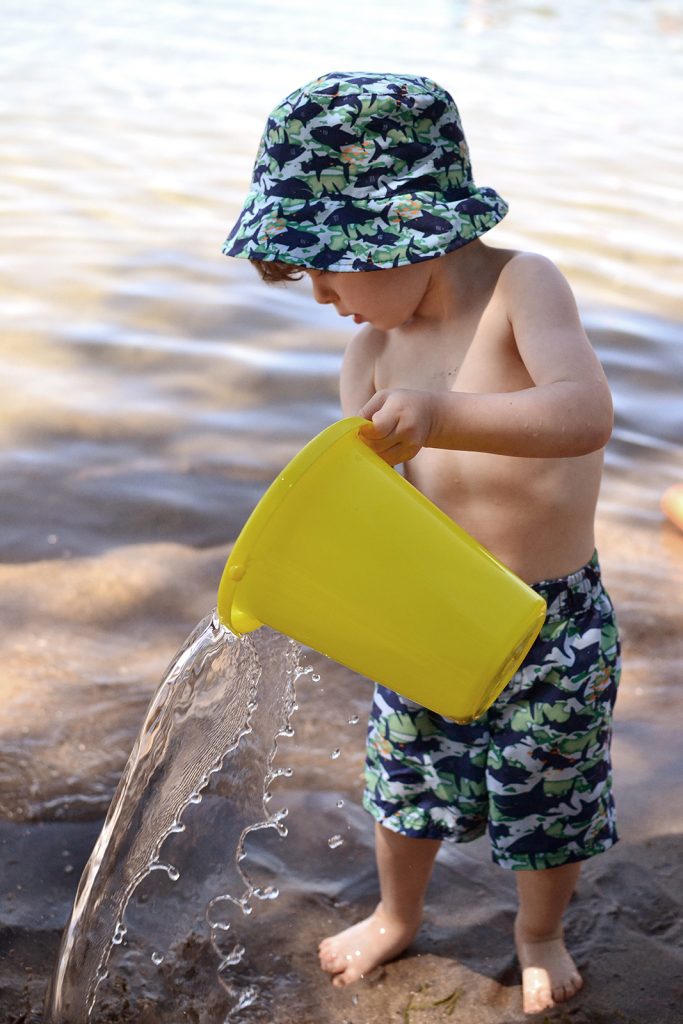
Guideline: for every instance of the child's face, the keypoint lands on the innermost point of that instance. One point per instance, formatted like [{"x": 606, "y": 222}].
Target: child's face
[{"x": 384, "y": 298}]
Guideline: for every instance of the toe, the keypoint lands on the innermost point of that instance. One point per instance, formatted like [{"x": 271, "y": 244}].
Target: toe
[
  {"x": 534, "y": 1002},
  {"x": 569, "y": 988},
  {"x": 329, "y": 960},
  {"x": 561, "y": 993},
  {"x": 536, "y": 992},
  {"x": 572, "y": 986},
  {"x": 342, "y": 979}
]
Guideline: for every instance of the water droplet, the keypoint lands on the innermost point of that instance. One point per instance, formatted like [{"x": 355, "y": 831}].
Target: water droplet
[
  {"x": 196, "y": 798},
  {"x": 249, "y": 996},
  {"x": 354, "y": 720},
  {"x": 334, "y": 754},
  {"x": 282, "y": 830},
  {"x": 172, "y": 873},
  {"x": 235, "y": 956},
  {"x": 334, "y": 841},
  {"x": 315, "y": 677},
  {"x": 267, "y": 797},
  {"x": 340, "y": 803},
  {"x": 287, "y": 731},
  {"x": 157, "y": 958},
  {"x": 119, "y": 934},
  {"x": 287, "y": 772},
  {"x": 269, "y": 892}
]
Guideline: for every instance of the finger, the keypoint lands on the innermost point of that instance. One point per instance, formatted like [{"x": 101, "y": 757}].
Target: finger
[
  {"x": 396, "y": 454},
  {"x": 375, "y": 444},
  {"x": 392, "y": 451},
  {"x": 373, "y": 405},
  {"x": 379, "y": 430},
  {"x": 369, "y": 432}
]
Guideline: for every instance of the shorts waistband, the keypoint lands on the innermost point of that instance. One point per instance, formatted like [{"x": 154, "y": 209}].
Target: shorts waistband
[{"x": 572, "y": 594}]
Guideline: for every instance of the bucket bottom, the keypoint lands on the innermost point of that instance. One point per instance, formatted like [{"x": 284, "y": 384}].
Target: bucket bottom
[{"x": 504, "y": 675}]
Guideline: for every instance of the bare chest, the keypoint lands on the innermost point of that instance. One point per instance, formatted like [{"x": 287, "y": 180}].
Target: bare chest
[{"x": 477, "y": 355}]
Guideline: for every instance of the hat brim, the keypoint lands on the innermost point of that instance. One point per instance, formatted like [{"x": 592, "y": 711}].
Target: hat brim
[{"x": 340, "y": 234}]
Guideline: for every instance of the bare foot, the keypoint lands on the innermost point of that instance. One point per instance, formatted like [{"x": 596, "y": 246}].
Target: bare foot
[
  {"x": 353, "y": 953},
  {"x": 549, "y": 975}
]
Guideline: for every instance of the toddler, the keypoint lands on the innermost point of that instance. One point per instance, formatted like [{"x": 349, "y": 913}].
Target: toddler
[{"x": 475, "y": 373}]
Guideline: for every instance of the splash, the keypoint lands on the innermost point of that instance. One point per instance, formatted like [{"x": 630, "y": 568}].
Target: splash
[{"x": 211, "y": 729}]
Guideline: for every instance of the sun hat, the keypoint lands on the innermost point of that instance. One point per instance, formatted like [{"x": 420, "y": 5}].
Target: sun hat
[{"x": 361, "y": 171}]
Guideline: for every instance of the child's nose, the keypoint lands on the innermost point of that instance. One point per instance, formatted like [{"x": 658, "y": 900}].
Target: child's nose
[{"x": 322, "y": 291}]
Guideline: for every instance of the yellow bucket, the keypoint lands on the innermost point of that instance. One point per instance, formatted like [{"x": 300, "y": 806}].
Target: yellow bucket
[{"x": 345, "y": 556}]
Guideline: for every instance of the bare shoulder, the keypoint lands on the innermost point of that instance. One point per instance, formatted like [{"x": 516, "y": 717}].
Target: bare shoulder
[
  {"x": 357, "y": 378},
  {"x": 368, "y": 343},
  {"x": 530, "y": 280},
  {"x": 546, "y": 325}
]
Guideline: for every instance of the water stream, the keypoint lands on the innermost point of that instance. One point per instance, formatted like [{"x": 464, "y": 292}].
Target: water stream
[{"x": 209, "y": 737}]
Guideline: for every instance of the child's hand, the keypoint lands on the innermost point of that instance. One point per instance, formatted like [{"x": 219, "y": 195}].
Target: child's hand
[{"x": 401, "y": 423}]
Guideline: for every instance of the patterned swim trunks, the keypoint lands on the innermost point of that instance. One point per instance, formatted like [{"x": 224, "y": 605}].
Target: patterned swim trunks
[{"x": 535, "y": 768}]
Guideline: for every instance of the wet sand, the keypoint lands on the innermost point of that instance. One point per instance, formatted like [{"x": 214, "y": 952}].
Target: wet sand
[{"x": 624, "y": 924}]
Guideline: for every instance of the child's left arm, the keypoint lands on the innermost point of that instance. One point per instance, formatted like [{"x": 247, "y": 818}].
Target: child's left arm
[{"x": 567, "y": 412}]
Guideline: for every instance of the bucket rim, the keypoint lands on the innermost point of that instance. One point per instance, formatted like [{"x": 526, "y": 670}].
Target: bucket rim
[{"x": 272, "y": 498}]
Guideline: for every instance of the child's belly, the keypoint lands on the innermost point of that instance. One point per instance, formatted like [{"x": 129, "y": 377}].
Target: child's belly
[{"x": 534, "y": 515}]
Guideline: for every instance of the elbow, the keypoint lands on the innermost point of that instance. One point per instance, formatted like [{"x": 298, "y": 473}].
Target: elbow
[
  {"x": 606, "y": 432},
  {"x": 588, "y": 420},
  {"x": 598, "y": 423},
  {"x": 594, "y": 440}
]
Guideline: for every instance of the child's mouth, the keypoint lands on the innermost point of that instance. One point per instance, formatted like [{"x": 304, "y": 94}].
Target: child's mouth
[{"x": 358, "y": 319}]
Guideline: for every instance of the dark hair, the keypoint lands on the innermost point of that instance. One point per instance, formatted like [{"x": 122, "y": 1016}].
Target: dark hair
[{"x": 274, "y": 271}]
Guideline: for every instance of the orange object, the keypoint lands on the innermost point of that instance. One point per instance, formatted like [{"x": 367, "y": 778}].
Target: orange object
[{"x": 672, "y": 505}]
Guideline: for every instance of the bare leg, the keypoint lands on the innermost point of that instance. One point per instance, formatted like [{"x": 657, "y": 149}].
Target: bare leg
[
  {"x": 549, "y": 975},
  {"x": 405, "y": 867}
]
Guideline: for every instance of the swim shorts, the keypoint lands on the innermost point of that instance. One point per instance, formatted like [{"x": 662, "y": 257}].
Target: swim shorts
[{"x": 535, "y": 768}]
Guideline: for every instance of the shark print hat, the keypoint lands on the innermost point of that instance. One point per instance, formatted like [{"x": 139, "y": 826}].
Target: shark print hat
[{"x": 362, "y": 171}]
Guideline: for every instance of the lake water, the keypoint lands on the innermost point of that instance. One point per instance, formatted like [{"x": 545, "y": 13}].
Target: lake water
[{"x": 151, "y": 388}]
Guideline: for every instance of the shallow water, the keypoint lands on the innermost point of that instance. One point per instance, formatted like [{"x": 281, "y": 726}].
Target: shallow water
[{"x": 151, "y": 389}]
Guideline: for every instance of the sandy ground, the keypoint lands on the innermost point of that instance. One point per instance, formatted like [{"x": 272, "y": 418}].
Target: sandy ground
[{"x": 624, "y": 924}]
